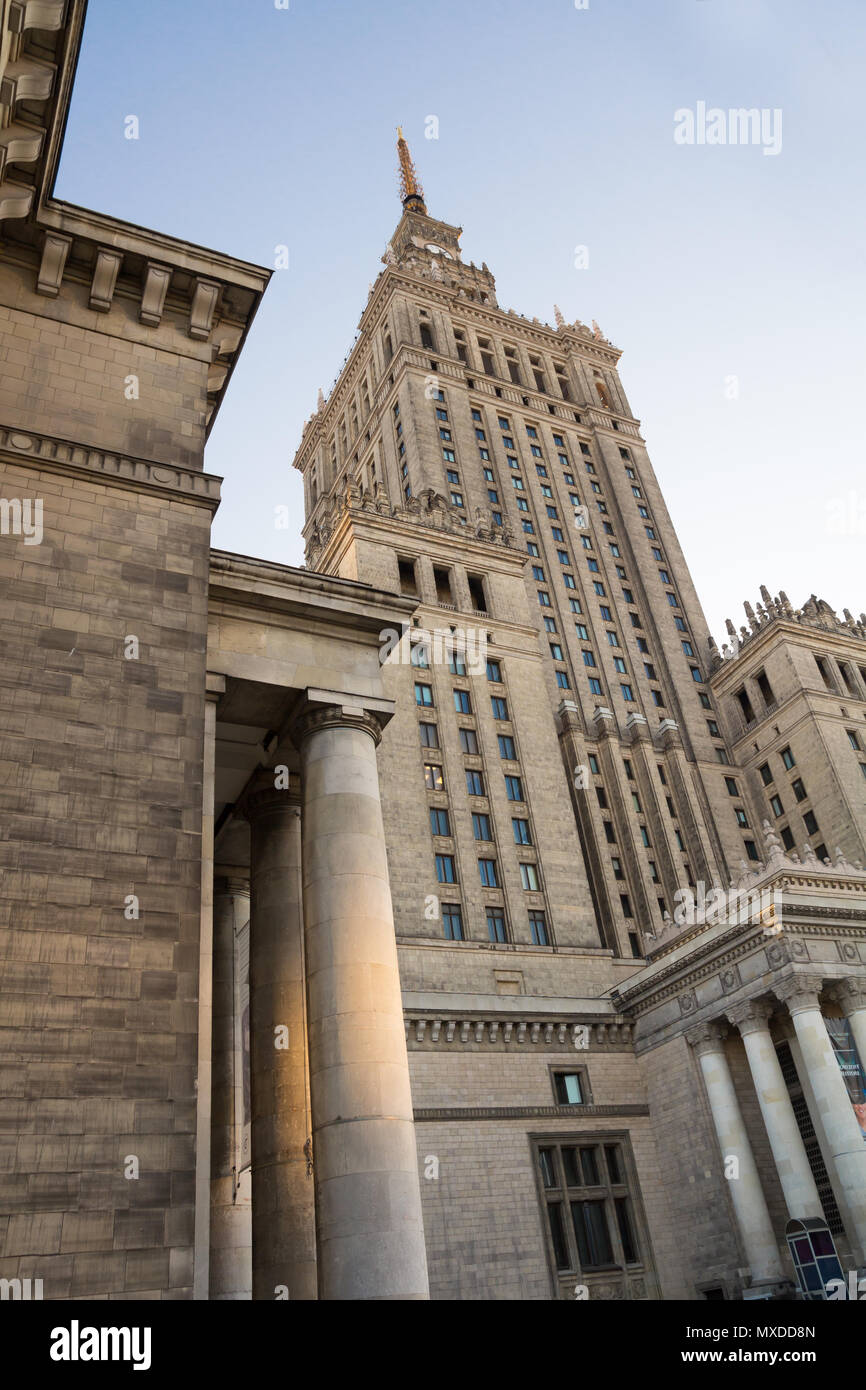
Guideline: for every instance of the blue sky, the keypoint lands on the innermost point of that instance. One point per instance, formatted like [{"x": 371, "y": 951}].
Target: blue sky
[{"x": 261, "y": 126}]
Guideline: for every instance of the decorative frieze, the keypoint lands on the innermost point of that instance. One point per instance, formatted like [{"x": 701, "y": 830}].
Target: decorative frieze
[{"x": 529, "y": 1032}]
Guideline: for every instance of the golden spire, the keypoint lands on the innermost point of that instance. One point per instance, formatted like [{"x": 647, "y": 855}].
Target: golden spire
[{"x": 411, "y": 192}]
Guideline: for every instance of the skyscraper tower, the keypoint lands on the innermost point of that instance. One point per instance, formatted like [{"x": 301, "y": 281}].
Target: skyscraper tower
[
  {"x": 558, "y": 776},
  {"x": 492, "y": 465}
]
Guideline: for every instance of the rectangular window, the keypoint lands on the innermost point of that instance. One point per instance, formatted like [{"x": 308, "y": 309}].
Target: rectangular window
[
  {"x": 788, "y": 758},
  {"x": 496, "y": 924},
  {"x": 538, "y": 929},
  {"x": 429, "y": 735},
  {"x": 522, "y": 833},
  {"x": 798, "y": 789},
  {"x": 766, "y": 774},
  {"x": 468, "y": 741},
  {"x": 568, "y": 1088},
  {"x": 594, "y": 686},
  {"x": 811, "y": 824},
  {"x": 423, "y": 694},
  {"x": 514, "y": 788},
  {"x": 731, "y": 784},
  {"x": 487, "y": 870},
  {"x": 529, "y": 877},
  {"x": 499, "y": 707},
  {"x": 481, "y": 826},
  {"x": 462, "y": 702},
  {"x": 452, "y": 922},
  {"x": 494, "y": 671},
  {"x": 474, "y": 782},
  {"x": 446, "y": 871},
  {"x": 506, "y": 747},
  {"x": 433, "y": 779},
  {"x": 439, "y": 823}
]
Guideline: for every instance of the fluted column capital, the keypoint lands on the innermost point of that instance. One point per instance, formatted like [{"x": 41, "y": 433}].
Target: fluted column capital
[
  {"x": 799, "y": 992},
  {"x": 707, "y": 1037},
  {"x": 752, "y": 1015}
]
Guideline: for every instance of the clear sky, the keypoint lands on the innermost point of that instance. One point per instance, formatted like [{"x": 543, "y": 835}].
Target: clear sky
[{"x": 262, "y": 127}]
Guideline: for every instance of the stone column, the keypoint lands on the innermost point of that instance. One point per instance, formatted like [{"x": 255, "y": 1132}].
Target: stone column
[
  {"x": 835, "y": 1112},
  {"x": 230, "y": 1236},
  {"x": 850, "y": 994},
  {"x": 750, "y": 1206},
  {"x": 284, "y": 1242},
  {"x": 369, "y": 1224},
  {"x": 789, "y": 1153}
]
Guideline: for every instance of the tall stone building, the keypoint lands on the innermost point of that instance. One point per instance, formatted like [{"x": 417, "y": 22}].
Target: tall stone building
[{"x": 448, "y": 917}]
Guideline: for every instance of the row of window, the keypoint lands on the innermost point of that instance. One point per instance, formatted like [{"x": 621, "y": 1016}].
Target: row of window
[{"x": 497, "y": 927}]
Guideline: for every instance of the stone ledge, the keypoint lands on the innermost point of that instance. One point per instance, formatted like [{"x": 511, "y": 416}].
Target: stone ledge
[{"x": 118, "y": 470}]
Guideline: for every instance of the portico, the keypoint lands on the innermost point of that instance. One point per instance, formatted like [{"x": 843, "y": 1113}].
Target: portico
[
  {"x": 331, "y": 1165},
  {"x": 749, "y": 1016}
]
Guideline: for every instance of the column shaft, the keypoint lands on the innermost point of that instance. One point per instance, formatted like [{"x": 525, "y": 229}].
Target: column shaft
[
  {"x": 835, "y": 1111},
  {"x": 369, "y": 1224},
  {"x": 230, "y": 1220},
  {"x": 789, "y": 1153},
  {"x": 750, "y": 1207},
  {"x": 283, "y": 1218}
]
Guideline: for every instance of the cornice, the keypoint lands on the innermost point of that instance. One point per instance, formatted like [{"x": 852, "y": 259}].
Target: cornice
[
  {"x": 579, "y": 1032},
  {"x": 54, "y": 455}
]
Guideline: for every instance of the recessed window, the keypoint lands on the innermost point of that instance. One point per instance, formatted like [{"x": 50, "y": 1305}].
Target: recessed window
[
  {"x": 522, "y": 832},
  {"x": 854, "y": 739},
  {"x": 538, "y": 928},
  {"x": 499, "y": 707},
  {"x": 731, "y": 784},
  {"x": 439, "y": 822},
  {"x": 798, "y": 789},
  {"x": 568, "y": 1088},
  {"x": 506, "y": 747},
  {"x": 513, "y": 788},
  {"x": 462, "y": 702},
  {"x": 452, "y": 922},
  {"x": 481, "y": 827},
  {"x": 529, "y": 877},
  {"x": 468, "y": 741},
  {"x": 487, "y": 870},
  {"x": 765, "y": 774},
  {"x": 496, "y": 924},
  {"x": 788, "y": 758},
  {"x": 811, "y": 823},
  {"x": 446, "y": 871},
  {"x": 433, "y": 778},
  {"x": 474, "y": 782},
  {"x": 494, "y": 671},
  {"x": 776, "y": 806},
  {"x": 423, "y": 694},
  {"x": 429, "y": 735}
]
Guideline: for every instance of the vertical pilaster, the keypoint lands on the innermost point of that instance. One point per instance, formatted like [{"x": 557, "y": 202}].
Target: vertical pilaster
[
  {"x": 750, "y": 1206},
  {"x": 369, "y": 1224},
  {"x": 283, "y": 1223},
  {"x": 214, "y": 687}
]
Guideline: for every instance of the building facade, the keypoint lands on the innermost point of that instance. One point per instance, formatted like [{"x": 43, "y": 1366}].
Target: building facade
[{"x": 356, "y": 920}]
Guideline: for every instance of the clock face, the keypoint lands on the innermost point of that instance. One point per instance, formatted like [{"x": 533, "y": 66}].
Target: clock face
[{"x": 438, "y": 250}]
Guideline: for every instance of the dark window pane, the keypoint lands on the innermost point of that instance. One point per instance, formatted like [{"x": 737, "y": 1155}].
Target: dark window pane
[
  {"x": 590, "y": 1167},
  {"x": 614, "y": 1166},
  {"x": 593, "y": 1239},
  {"x": 626, "y": 1235},
  {"x": 560, "y": 1251},
  {"x": 568, "y": 1090},
  {"x": 572, "y": 1168},
  {"x": 545, "y": 1163}
]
